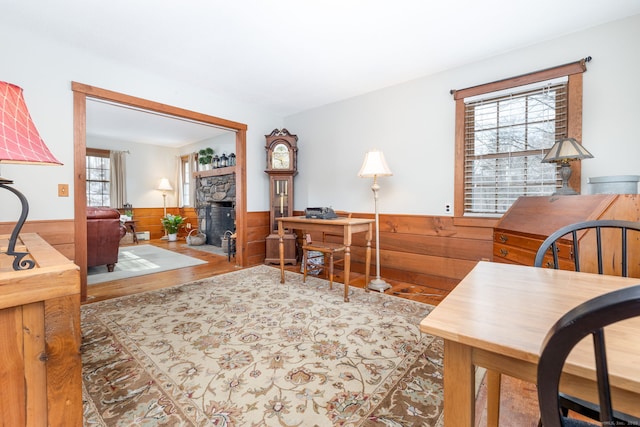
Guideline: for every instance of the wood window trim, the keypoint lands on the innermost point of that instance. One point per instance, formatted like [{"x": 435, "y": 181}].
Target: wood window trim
[
  {"x": 98, "y": 152},
  {"x": 574, "y": 73}
]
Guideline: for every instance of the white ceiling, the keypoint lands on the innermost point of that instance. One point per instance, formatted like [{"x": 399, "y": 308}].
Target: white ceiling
[
  {"x": 126, "y": 124},
  {"x": 293, "y": 55}
]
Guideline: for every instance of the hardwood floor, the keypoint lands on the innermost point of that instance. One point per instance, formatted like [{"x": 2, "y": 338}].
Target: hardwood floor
[
  {"x": 519, "y": 405},
  {"x": 215, "y": 265}
]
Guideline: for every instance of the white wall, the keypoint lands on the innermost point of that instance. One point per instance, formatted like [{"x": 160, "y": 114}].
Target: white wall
[
  {"x": 147, "y": 164},
  {"x": 45, "y": 71},
  {"x": 413, "y": 123}
]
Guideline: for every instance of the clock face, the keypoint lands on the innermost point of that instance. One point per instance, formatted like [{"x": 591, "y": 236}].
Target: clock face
[{"x": 280, "y": 157}]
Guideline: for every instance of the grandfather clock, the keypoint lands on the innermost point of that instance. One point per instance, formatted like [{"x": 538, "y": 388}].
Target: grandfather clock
[{"x": 282, "y": 151}]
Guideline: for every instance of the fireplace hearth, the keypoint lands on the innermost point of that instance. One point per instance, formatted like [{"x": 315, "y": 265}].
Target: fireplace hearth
[{"x": 215, "y": 205}]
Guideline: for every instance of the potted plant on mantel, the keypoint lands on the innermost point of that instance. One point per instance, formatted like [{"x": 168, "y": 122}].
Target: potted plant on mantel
[
  {"x": 205, "y": 156},
  {"x": 171, "y": 224}
]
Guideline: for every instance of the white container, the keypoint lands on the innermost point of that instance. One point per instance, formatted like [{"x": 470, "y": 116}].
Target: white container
[
  {"x": 619, "y": 184},
  {"x": 143, "y": 235}
]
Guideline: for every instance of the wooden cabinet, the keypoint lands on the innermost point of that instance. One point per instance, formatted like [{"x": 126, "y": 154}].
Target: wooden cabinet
[
  {"x": 530, "y": 220},
  {"x": 40, "y": 364}
]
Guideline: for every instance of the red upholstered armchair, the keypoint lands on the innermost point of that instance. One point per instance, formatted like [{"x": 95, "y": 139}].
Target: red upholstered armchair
[{"x": 104, "y": 232}]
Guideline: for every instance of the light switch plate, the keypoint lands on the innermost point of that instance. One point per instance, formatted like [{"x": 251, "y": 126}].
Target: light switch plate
[{"x": 63, "y": 190}]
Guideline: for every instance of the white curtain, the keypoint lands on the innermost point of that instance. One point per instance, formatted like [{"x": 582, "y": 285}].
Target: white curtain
[
  {"x": 193, "y": 186},
  {"x": 118, "y": 187},
  {"x": 192, "y": 162}
]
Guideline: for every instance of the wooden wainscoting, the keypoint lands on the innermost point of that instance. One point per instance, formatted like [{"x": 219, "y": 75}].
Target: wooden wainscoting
[
  {"x": 433, "y": 251},
  {"x": 148, "y": 219},
  {"x": 424, "y": 253},
  {"x": 421, "y": 252},
  {"x": 57, "y": 233},
  {"x": 258, "y": 229}
]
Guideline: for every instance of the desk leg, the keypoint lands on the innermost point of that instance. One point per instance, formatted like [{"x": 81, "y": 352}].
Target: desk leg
[
  {"x": 347, "y": 272},
  {"x": 459, "y": 385},
  {"x": 493, "y": 398}
]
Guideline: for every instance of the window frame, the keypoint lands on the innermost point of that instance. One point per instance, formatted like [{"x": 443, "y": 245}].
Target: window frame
[
  {"x": 96, "y": 152},
  {"x": 573, "y": 71}
]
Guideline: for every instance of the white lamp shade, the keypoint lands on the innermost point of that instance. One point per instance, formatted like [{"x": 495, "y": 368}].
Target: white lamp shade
[
  {"x": 566, "y": 149},
  {"x": 165, "y": 185},
  {"x": 374, "y": 165}
]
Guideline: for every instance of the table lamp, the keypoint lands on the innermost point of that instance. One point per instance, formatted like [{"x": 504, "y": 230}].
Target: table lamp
[
  {"x": 20, "y": 142},
  {"x": 563, "y": 151},
  {"x": 374, "y": 165}
]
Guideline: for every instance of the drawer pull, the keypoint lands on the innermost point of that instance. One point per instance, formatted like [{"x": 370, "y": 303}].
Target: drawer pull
[
  {"x": 503, "y": 238},
  {"x": 549, "y": 264},
  {"x": 504, "y": 252}
]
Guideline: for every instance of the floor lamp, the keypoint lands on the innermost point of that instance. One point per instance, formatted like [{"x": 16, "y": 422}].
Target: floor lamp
[
  {"x": 164, "y": 186},
  {"x": 374, "y": 166}
]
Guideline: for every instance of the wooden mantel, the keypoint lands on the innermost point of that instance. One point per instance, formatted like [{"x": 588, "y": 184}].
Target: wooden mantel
[{"x": 215, "y": 172}]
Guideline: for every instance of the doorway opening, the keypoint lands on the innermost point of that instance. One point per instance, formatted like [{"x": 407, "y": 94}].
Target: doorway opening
[{"x": 81, "y": 93}]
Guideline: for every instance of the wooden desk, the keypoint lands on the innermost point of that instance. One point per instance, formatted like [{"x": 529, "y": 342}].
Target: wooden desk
[
  {"x": 345, "y": 226},
  {"x": 497, "y": 318}
]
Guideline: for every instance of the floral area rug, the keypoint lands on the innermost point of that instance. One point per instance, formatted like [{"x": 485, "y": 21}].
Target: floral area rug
[{"x": 241, "y": 349}]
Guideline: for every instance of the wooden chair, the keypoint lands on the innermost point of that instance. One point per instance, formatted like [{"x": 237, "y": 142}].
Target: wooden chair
[
  {"x": 326, "y": 250},
  {"x": 611, "y": 255},
  {"x": 589, "y": 318},
  {"x": 597, "y": 226}
]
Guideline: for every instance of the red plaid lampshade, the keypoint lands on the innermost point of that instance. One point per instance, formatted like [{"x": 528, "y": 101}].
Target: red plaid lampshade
[{"x": 20, "y": 141}]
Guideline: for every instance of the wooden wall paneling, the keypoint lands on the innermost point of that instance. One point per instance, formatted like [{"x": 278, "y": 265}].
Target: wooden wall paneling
[
  {"x": 258, "y": 229},
  {"x": 446, "y": 247},
  {"x": 57, "y": 233},
  {"x": 428, "y": 251}
]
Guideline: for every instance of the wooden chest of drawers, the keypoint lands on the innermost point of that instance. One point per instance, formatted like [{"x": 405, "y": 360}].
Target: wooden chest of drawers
[{"x": 530, "y": 220}]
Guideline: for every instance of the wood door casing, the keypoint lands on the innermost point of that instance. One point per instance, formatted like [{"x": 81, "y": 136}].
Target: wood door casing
[{"x": 80, "y": 94}]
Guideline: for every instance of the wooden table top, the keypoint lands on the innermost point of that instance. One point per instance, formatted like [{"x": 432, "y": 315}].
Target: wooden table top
[
  {"x": 508, "y": 309},
  {"x": 334, "y": 221}
]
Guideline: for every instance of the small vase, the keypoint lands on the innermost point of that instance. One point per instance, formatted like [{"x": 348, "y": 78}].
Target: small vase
[{"x": 173, "y": 237}]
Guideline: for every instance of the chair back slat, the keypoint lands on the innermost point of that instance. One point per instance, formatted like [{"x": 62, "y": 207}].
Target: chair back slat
[
  {"x": 579, "y": 254},
  {"x": 625, "y": 265},
  {"x": 602, "y": 375}
]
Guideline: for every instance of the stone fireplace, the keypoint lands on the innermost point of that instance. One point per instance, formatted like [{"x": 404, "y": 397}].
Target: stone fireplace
[{"x": 215, "y": 205}]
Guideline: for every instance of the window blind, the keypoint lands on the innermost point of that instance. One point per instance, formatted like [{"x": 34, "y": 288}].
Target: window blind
[{"x": 506, "y": 137}]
